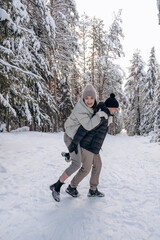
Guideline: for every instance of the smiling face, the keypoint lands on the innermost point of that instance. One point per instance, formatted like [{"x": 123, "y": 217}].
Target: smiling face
[
  {"x": 113, "y": 110},
  {"x": 89, "y": 101}
]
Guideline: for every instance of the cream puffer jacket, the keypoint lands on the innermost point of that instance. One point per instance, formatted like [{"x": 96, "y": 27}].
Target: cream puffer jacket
[{"x": 81, "y": 115}]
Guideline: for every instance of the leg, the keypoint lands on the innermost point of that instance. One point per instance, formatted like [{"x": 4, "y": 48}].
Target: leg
[
  {"x": 75, "y": 165},
  {"x": 76, "y": 162},
  {"x": 75, "y": 158},
  {"x": 87, "y": 161},
  {"x": 94, "y": 180},
  {"x": 63, "y": 177},
  {"x": 96, "y": 169}
]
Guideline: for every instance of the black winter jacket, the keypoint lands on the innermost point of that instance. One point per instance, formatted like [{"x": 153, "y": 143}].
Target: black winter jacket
[{"x": 93, "y": 140}]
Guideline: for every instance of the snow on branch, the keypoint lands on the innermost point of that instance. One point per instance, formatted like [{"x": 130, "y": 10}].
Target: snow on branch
[
  {"x": 4, "y": 15},
  {"x": 6, "y": 104},
  {"x": 19, "y": 69}
]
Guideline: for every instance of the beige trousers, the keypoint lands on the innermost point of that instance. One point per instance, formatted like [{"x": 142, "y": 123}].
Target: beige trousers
[{"x": 89, "y": 160}]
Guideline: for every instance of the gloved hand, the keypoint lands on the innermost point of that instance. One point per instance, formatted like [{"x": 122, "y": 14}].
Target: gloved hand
[
  {"x": 73, "y": 147},
  {"x": 102, "y": 114},
  {"x": 103, "y": 108}
]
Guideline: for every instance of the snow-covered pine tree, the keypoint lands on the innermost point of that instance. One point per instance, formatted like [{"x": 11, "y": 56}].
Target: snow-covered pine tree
[
  {"x": 44, "y": 27},
  {"x": 97, "y": 52},
  {"x": 98, "y": 57},
  {"x": 133, "y": 92},
  {"x": 83, "y": 39},
  {"x": 105, "y": 48},
  {"x": 66, "y": 105},
  {"x": 92, "y": 53},
  {"x": 156, "y": 107},
  {"x": 148, "y": 115},
  {"x": 114, "y": 50},
  {"x": 92, "y": 42},
  {"x": 23, "y": 84},
  {"x": 108, "y": 77},
  {"x": 65, "y": 16},
  {"x": 114, "y": 79},
  {"x": 75, "y": 82}
]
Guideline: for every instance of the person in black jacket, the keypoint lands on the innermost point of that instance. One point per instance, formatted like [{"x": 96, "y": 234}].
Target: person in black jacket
[
  {"x": 82, "y": 114},
  {"x": 91, "y": 143}
]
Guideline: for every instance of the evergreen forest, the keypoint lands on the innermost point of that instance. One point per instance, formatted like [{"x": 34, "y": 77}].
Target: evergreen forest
[{"x": 48, "y": 53}]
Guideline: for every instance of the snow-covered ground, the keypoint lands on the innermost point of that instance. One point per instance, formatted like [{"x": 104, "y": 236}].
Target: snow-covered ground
[{"x": 130, "y": 179}]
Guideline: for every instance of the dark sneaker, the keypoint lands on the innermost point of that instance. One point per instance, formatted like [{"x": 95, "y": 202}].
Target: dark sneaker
[
  {"x": 95, "y": 193},
  {"x": 72, "y": 191},
  {"x": 67, "y": 156},
  {"x": 55, "y": 194}
]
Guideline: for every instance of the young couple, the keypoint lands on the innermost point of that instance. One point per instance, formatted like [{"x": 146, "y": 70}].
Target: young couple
[{"x": 85, "y": 131}]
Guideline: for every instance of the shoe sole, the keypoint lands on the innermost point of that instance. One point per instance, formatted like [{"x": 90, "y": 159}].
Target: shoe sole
[
  {"x": 75, "y": 196},
  {"x": 55, "y": 197},
  {"x": 95, "y": 196},
  {"x": 54, "y": 194}
]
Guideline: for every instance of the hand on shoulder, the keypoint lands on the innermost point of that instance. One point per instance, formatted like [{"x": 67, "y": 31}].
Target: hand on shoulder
[{"x": 102, "y": 114}]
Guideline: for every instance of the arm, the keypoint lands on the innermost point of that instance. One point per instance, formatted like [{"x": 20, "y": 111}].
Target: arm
[
  {"x": 102, "y": 106},
  {"x": 82, "y": 131},
  {"x": 80, "y": 134},
  {"x": 87, "y": 122}
]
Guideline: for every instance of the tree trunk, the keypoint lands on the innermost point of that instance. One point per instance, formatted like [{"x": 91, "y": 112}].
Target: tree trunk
[
  {"x": 100, "y": 94},
  {"x": 76, "y": 92},
  {"x": 7, "y": 119},
  {"x": 55, "y": 85},
  {"x": 93, "y": 57},
  {"x": 50, "y": 69}
]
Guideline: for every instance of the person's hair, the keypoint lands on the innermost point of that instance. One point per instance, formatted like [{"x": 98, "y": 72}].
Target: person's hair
[{"x": 95, "y": 106}]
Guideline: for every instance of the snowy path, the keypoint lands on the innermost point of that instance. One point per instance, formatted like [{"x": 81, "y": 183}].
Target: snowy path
[{"x": 130, "y": 179}]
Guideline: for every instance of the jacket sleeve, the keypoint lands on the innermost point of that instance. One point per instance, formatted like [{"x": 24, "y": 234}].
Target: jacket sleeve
[
  {"x": 86, "y": 120},
  {"x": 81, "y": 132},
  {"x": 102, "y": 106}
]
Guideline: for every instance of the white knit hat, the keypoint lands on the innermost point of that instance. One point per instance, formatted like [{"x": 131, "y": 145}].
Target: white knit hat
[{"x": 89, "y": 91}]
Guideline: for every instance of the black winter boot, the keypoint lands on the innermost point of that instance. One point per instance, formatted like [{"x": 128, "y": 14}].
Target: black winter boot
[
  {"x": 95, "y": 193},
  {"x": 72, "y": 191},
  {"x": 67, "y": 156},
  {"x": 55, "y": 188}
]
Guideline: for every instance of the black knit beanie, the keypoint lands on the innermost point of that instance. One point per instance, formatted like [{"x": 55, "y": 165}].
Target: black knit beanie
[{"x": 111, "y": 101}]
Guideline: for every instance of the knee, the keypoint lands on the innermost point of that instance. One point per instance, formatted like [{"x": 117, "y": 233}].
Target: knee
[
  {"x": 77, "y": 165},
  {"x": 97, "y": 167},
  {"x": 85, "y": 170}
]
